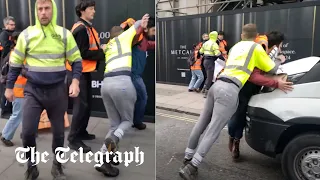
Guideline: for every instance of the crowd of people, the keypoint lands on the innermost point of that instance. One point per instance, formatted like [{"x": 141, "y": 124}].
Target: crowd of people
[
  {"x": 250, "y": 65},
  {"x": 203, "y": 67},
  {"x": 46, "y": 63}
]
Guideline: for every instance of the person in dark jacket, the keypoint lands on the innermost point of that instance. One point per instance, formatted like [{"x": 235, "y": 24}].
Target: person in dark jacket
[
  {"x": 6, "y": 35},
  {"x": 252, "y": 87},
  {"x": 89, "y": 45},
  {"x": 139, "y": 60},
  {"x": 6, "y": 43}
]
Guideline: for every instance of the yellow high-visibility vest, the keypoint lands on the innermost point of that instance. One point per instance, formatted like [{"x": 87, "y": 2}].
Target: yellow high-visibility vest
[
  {"x": 243, "y": 58},
  {"x": 45, "y": 48},
  {"x": 119, "y": 54}
]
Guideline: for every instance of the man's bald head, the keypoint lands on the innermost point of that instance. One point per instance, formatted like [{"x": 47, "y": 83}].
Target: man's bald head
[{"x": 249, "y": 32}]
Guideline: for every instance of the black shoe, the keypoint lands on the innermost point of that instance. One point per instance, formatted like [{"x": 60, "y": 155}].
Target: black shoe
[
  {"x": 140, "y": 126},
  {"x": 32, "y": 173},
  {"x": 5, "y": 116},
  {"x": 230, "y": 145},
  {"x": 87, "y": 137},
  {"x": 108, "y": 170},
  {"x": 7, "y": 143},
  {"x": 236, "y": 149},
  {"x": 203, "y": 90},
  {"x": 189, "y": 172},
  {"x": 57, "y": 172},
  {"x": 78, "y": 144},
  {"x": 185, "y": 162},
  {"x": 112, "y": 160},
  {"x": 205, "y": 94}
]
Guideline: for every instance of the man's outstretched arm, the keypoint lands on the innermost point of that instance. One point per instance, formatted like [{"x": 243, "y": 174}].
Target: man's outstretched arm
[{"x": 259, "y": 79}]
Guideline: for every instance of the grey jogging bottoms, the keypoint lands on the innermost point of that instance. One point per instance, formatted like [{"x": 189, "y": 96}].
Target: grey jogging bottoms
[{"x": 220, "y": 105}]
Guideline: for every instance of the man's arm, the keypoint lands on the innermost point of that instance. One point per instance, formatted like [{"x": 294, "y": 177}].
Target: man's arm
[
  {"x": 258, "y": 78},
  {"x": 130, "y": 33},
  {"x": 127, "y": 24},
  {"x": 135, "y": 40},
  {"x": 82, "y": 39},
  {"x": 263, "y": 61},
  {"x": 74, "y": 56},
  {"x": 201, "y": 51},
  {"x": 16, "y": 60}
]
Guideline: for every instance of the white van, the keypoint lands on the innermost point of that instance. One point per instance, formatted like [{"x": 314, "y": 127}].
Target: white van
[{"x": 288, "y": 125}]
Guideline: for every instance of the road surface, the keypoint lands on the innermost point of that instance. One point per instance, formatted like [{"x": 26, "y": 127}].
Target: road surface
[{"x": 172, "y": 132}]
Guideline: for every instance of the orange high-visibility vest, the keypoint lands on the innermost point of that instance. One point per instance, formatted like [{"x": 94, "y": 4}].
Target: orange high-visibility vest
[
  {"x": 222, "y": 48},
  {"x": 19, "y": 85},
  {"x": 18, "y": 89},
  {"x": 263, "y": 41},
  {"x": 197, "y": 64},
  {"x": 87, "y": 65}
]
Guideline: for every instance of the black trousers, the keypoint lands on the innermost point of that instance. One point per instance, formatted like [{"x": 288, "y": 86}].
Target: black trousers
[
  {"x": 209, "y": 65},
  {"x": 54, "y": 99},
  {"x": 81, "y": 107}
]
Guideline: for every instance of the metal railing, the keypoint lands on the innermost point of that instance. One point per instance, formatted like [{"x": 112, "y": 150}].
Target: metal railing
[{"x": 220, "y": 4}]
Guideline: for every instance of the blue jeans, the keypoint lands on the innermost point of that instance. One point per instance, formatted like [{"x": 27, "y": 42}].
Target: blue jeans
[
  {"x": 238, "y": 121},
  {"x": 14, "y": 120},
  {"x": 196, "y": 80},
  {"x": 142, "y": 98}
]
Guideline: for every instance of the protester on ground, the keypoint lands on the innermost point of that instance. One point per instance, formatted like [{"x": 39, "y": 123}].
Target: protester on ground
[
  {"x": 45, "y": 47},
  {"x": 196, "y": 72},
  {"x": 222, "y": 99},
  {"x": 252, "y": 87},
  {"x": 6, "y": 43},
  {"x": 210, "y": 51},
  {"x": 118, "y": 92},
  {"x": 88, "y": 42}
]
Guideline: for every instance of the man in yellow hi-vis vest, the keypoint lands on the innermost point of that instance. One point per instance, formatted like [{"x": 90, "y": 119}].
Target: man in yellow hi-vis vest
[
  {"x": 210, "y": 51},
  {"x": 222, "y": 99},
  {"x": 118, "y": 92},
  {"x": 45, "y": 47}
]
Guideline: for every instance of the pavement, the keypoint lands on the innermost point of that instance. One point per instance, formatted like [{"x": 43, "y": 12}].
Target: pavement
[
  {"x": 173, "y": 130},
  {"x": 178, "y": 99},
  {"x": 10, "y": 169}
]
